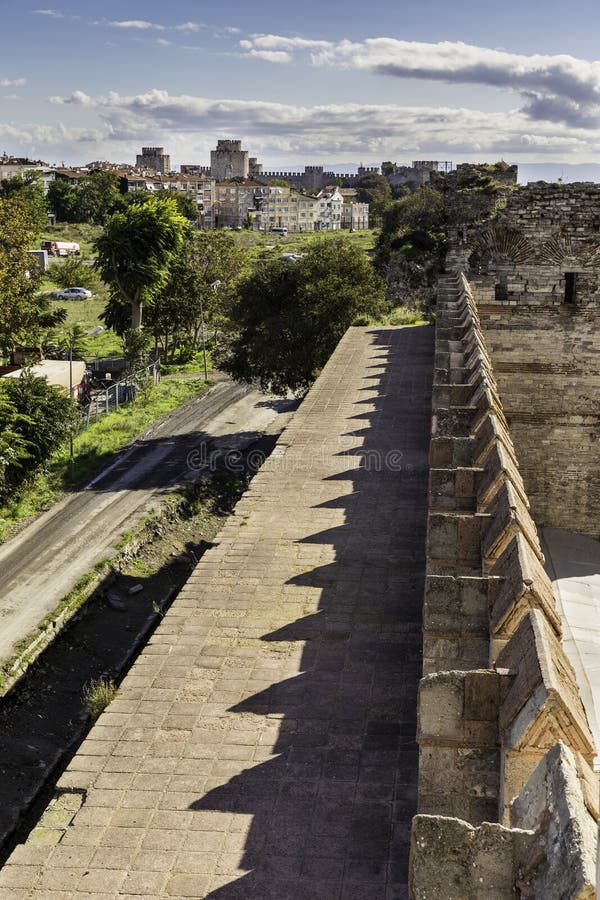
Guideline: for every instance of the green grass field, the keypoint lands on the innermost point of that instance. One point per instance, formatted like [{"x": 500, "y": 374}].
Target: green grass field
[
  {"x": 84, "y": 235},
  {"x": 270, "y": 246}
]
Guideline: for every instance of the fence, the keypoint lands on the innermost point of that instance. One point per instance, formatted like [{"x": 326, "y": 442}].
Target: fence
[{"x": 118, "y": 394}]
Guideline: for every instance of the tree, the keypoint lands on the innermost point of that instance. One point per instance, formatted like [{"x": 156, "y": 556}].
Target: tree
[
  {"x": 200, "y": 287},
  {"x": 134, "y": 255},
  {"x": 290, "y": 316},
  {"x": 29, "y": 189},
  {"x": 375, "y": 190},
  {"x": 98, "y": 197},
  {"x": 36, "y": 417},
  {"x": 63, "y": 200},
  {"x": 410, "y": 245},
  {"x": 135, "y": 348},
  {"x": 24, "y": 312}
]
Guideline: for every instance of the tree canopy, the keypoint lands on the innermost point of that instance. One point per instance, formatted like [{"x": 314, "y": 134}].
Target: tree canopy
[
  {"x": 135, "y": 252},
  {"x": 290, "y": 316},
  {"x": 35, "y": 419},
  {"x": 24, "y": 312},
  {"x": 27, "y": 188},
  {"x": 92, "y": 199},
  {"x": 201, "y": 280}
]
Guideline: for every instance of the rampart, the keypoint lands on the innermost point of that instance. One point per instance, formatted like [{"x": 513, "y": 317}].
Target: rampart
[
  {"x": 508, "y": 801},
  {"x": 535, "y": 275}
]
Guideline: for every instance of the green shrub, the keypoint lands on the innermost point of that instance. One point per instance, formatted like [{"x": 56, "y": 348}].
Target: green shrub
[{"x": 98, "y": 694}]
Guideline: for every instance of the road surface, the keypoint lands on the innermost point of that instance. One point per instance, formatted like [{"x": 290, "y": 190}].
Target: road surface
[{"x": 44, "y": 561}]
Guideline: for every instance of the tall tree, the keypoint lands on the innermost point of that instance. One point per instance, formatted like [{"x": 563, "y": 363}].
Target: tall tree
[
  {"x": 134, "y": 255},
  {"x": 375, "y": 190},
  {"x": 24, "y": 312},
  {"x": 290, "y": 316},
  {"x": 98, "y": 197},
  {"x": 200, "y": 288},
  {"x": 29, "y": 189},
  {"x": 62, "y": 199}
]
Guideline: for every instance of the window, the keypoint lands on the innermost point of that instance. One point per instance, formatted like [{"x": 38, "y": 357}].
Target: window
[{"x": 571, "y": 288}]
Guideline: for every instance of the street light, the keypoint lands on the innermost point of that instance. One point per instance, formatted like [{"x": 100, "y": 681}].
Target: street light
[{"x": 97, "y": 330}]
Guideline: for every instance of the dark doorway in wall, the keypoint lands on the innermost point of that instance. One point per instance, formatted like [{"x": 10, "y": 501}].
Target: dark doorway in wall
[
  {"x": 501, "y": 292},
  {"x": 570, "y": 288}
]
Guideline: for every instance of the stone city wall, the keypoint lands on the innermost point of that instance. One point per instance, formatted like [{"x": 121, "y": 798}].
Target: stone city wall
[
  {"x": 508, "y": 802},
  {"x": 537, "y": 289}
]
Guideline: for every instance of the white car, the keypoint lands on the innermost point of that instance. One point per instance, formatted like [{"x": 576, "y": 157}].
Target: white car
[{"x": 74, "y": 293}]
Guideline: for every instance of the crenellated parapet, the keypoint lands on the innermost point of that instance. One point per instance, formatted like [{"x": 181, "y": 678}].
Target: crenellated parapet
[{"x": 502, "y": 729}]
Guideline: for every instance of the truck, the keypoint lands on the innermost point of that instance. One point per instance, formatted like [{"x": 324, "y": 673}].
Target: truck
[{"x": 61, "y": 248}]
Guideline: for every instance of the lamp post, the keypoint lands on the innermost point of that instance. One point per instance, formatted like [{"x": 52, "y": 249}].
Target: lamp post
[{"x": 97, "y": 330}]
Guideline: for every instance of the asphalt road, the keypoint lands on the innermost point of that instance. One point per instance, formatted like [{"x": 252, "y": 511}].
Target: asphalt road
[{"x": 44, "y": 561}]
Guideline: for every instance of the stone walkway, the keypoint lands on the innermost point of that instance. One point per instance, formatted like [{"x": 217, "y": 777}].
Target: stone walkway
[{"x": 262, "y": 746}]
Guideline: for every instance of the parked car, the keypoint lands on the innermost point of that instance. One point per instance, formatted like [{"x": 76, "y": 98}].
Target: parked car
[{"x": 74, "y": 293}]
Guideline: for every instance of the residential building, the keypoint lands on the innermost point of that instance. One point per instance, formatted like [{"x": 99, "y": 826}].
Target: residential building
[
  {"x": 331, "y": 202},
  {"x": 283, "y": 207},
  {"x": 235, "y": 201},
  {"x": 202, "y": 190},
  {"x": 16, "y": 165},
  {"x": 355, "y": 215}
]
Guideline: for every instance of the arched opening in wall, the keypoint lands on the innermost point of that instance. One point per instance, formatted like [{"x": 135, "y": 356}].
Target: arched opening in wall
[{"x": 570, "y": 288}]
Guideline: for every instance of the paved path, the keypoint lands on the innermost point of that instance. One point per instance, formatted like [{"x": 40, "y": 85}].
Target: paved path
[{"x": 262, "y": 746}]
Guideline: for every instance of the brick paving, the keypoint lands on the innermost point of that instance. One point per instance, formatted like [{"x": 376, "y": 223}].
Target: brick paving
[{"x": 262, "y": 746}]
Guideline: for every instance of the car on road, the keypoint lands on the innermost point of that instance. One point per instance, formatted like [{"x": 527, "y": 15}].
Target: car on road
[{"x": 74, "y": 293}]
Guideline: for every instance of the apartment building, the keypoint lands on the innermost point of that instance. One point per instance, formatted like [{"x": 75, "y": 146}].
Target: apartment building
[
  {"x": 331, "y": 203},
  {"x": 202, "y": 190},
  {"x": 283, "y": 207}
]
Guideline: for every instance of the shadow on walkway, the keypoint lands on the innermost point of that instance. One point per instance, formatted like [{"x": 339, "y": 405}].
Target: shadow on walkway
[{"x": 332, "y": 801}]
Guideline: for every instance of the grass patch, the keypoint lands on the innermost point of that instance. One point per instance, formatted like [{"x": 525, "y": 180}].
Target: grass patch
[
  {"x": 83, "y": 234},
  {"x": 94, "y": 448},
  {"x": 258, "y": 245},
  {"x": 403, "y": 315},
  {"x": 98, "y": 694}
]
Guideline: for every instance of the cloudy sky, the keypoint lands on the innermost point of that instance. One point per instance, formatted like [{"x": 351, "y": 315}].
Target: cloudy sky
[{"x": 302, "y": 82}]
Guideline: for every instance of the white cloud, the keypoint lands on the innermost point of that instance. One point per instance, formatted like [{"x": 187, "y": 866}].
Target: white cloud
[
  {"x": 52, "y": 13},
  {"x": 367, "y": 130},
  {"x": 137, "y": 24},
  {"x": 274, "y": 56},
  {"x": 77, "y": 98},
  {"x": 557, "y": 88},
  {"x": 189, "y": 26},
  {"x": 12, "y": 82},
  {"x": 144, "y": 25}
]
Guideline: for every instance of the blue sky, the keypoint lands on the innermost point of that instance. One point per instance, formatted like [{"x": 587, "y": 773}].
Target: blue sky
[{"x": 301, "y": 82}]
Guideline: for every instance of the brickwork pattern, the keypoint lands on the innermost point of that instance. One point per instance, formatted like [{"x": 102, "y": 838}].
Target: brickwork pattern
[
  {"x": 499, "y": 695},
  {"x": 263, "y": 745},
  {"x": 545, "y": 345}
]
